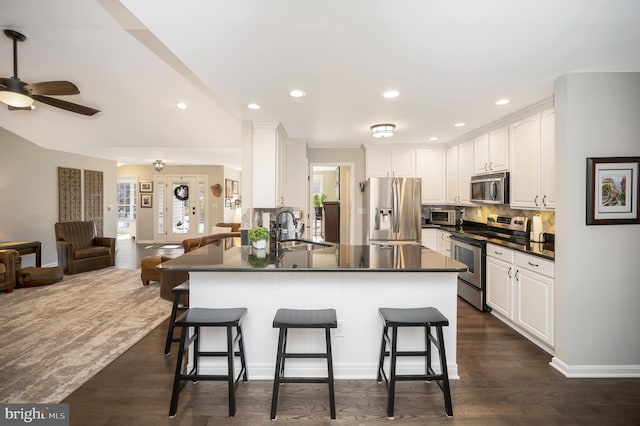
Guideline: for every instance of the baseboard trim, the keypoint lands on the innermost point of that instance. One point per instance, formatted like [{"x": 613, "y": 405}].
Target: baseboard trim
[{"x": 595, "y": 371}]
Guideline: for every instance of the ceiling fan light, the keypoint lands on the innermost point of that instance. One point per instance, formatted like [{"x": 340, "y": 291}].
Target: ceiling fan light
[
  {"x": 159, "y": 165},
  {"x": 15, "y": 99},
  {"x": 382, "y": 130}
]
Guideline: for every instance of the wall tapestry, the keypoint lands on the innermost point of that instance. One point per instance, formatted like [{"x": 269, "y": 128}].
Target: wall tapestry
[
  {"x": 94, "y": 199},
  {"x": 69, "y": 195}
]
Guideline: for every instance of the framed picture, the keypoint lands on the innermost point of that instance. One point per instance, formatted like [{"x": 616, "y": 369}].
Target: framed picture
[
  {"x": 227, "y": 202},
  {"x": 612, "y": 190},
  {"x": 235, "y": 186},
  {"x": 146, "y": 201},
  {"x": 228, "y": 188},
  {"x": 146, "y": 186}
]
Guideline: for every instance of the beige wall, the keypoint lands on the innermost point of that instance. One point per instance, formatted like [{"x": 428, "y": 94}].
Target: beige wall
[{"x": 29, "y": 188}]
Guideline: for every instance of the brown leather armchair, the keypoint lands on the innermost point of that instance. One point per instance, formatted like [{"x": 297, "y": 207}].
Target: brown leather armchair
[
  {"x": 81, "y": 250},
  {"x": 8, "y": 261}
]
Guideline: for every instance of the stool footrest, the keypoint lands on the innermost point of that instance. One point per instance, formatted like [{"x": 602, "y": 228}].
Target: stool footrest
[
  {"x": 410, "y": 377},
  {"x": 214, "y": 354},
  {"x": 304, "y": 380},
  {"x": 310, "y": 355}
]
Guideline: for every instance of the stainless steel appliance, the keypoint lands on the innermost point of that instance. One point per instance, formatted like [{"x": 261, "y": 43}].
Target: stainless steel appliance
[
  {"x": 490, "y": 189},
  {"x": 469, "y": 247},
  {"x": 447, "y": 217},
  {"x": 393, "y": 210}
]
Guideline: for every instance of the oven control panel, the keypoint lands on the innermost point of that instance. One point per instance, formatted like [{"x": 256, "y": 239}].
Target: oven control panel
[{"x": 513, "y": 223}]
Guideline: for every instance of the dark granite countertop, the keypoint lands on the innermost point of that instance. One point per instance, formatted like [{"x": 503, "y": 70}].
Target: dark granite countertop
[
  {"x": 545, "y": 250},
  {"x": 229, "y": 256}
]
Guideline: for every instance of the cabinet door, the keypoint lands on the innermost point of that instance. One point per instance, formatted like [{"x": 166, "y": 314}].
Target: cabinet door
[
  {"x": 444, "y": 243},
  {"x": 481, "y": 155},
  {"x": 431, "y": 167},
  {"x": 403, "y": 162},
  {"x": 534, "y": 311},
  {"x": 265, "y": 163},
  {"x": 465, "y": 171},
  {"x": 452, "y": 175},
  {"x": 430, "y": 238},
  {"x": 500, "y": 286},
  {"x": 295, "y": 174},
  {"x": 378, "y": 163},
  {"x": 525, "y": 163},
  {"x": 548, "y": 159},
  {"x": 499, "y": 149}
]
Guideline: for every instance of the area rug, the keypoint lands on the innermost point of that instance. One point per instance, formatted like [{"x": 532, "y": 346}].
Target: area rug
[{"x": 55, "y": 338}]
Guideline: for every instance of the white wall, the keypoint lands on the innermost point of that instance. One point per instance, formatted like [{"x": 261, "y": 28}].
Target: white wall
[
  {"x": 597, "y": 280},
  {"x": 29, "y": 188}
]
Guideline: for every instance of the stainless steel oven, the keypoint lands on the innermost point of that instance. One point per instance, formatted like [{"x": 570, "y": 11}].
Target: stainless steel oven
[{"x": 471, "y": 284}]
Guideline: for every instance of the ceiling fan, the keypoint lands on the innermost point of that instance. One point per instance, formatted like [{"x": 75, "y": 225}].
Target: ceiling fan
[{"x": 19, "y": 95}]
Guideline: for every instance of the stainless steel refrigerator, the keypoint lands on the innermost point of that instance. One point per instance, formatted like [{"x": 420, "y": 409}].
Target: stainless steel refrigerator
[{"x": 393, "y": 210}]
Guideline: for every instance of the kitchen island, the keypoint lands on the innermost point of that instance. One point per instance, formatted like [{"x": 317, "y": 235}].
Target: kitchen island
[{"x": 355, "y": 280}]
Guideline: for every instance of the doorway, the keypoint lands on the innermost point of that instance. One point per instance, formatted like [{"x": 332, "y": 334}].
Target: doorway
[
  {"x": 180, "y": 212},
  {"x": 335, "y": 220}
]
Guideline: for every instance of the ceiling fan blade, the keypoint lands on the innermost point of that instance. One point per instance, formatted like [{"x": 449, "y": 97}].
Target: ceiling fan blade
[
  {"x": 52, "y": 88},
  {"x": 3, "y": 82},
  {"x": 69, "y": 106}
]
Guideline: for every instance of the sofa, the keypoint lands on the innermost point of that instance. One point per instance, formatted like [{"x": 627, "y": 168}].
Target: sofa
[
  {"x": 81, "y": 250},
  {"x": 9, "y": 260}
]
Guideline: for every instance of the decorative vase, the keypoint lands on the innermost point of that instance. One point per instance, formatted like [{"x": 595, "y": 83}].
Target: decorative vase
[{"x": 259, "y": 244}]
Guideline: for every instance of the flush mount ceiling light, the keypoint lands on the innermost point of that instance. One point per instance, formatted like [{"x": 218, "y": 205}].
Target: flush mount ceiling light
[
  {"x": 460, "y": 124},
  {"x": 159, "y": 165},
  {"x": 297, "y": 93},
  {"x": 433, "y": 138},
  {"x": 382, "y": 130}
]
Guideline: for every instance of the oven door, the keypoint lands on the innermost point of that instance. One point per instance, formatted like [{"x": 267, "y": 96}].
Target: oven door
[{"x": 471, "y": 255}]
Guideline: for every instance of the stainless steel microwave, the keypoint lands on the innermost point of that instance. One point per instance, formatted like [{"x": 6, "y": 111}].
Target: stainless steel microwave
[{"x": 490, "y": 189}]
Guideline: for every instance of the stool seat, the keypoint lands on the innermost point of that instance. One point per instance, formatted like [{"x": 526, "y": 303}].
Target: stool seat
[
  {"x": 412, "y": 317},
  {"x": 305, "y": 318},
  {"x": 427, "y": 317},
  {"x": 197, "y": 318}
]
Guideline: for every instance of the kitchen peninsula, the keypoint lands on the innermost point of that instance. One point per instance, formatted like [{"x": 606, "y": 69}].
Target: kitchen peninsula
[{"x": 355, "y": 280}]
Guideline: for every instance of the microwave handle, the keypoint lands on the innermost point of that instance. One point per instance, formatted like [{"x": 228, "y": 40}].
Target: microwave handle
[{"x": 494, "y": 190}]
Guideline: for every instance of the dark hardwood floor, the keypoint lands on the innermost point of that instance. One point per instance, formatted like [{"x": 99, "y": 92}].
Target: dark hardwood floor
[{"x": 505, "y": 380}]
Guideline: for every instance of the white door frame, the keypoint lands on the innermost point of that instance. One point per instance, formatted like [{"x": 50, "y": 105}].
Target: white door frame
[{"x": 163, "y": 183}]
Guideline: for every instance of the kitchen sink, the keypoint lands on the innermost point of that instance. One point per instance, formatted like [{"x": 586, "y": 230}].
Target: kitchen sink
[{"x": 302, "y": 245}]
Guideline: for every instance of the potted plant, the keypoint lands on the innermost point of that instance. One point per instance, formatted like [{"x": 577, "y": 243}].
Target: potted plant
[
  {"x": 258, "y": 261},
  {"x": 258, "y": 236},
  {"x": 318, "y": 199}
]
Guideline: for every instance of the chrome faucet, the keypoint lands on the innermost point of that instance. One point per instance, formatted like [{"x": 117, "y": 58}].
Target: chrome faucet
[{"x": 279, "y": 230}]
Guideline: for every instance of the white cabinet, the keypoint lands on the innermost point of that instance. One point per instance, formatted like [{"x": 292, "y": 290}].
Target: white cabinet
[
  {"x": 279, "y": 168},
  {"x": 384, "y": 162},
  {"x": 520, "y": 292},
  {"x": 430, "y": 238},
  {"x": 532, "y": 142},
  {"x": 459, "y": 171},
  {"x": 491, "y": 152},
  {"x": 431, "y": 167},
  {"x": 443, "y": 242}
]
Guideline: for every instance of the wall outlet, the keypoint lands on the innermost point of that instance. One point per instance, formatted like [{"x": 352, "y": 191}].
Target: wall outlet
[{"x": 340, "y": 330}]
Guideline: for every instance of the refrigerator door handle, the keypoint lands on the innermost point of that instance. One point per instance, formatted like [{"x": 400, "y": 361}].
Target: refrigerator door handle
[{"x": 396, "y": 208}]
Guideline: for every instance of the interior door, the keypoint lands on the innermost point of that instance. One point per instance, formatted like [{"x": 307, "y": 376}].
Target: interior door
[{"x": 181, "y": 211}]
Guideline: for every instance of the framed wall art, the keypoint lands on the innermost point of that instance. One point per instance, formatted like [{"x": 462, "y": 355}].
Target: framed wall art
[
  {"x": 612, "y": 190},
  {"x": 146, "y": 186},
  {"x": 235, "y": 187},
  {"x": 228, "y": 188},
  {"x": 146, "y": 201}
]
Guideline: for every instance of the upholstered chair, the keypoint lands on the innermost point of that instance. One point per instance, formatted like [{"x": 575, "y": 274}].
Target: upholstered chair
[
  {"x": 8, "y": 261},
  {"x": 81, "y": 250}
]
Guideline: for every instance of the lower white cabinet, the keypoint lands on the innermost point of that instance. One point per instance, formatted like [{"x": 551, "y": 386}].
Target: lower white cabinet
[
  {"x": 430, "y": 238},
  {"x": 438, "y": 240},
  {"x": 520, "y": 292}
]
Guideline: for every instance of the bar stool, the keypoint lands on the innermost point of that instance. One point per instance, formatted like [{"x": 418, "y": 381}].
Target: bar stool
[
  {"x": 413, "y": 317},
  {"x": 178, "y": 293},
  {"x": 201, "y": 317},
  {"x": 305, "y": 318}
]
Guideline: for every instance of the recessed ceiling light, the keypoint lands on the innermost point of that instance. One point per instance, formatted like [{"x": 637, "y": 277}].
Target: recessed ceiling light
[
  {"x": 502, "y": 101},
  {"x": 297, "y": 93},
  {"x": 181, "y": 105},
  {"x": 461, "y": 124},
  {"x": 391, "y": 94},
  {"x": 434, "y": 138},
  {"x": 253, "y": 106}
]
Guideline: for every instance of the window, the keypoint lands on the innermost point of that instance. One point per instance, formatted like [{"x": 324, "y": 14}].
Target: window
[{"x": 127, "y": 195}]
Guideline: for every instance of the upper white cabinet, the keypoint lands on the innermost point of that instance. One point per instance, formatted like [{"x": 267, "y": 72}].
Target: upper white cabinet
[
  {"x": 459, "y": 161},
  {"x": 431, "y": 168},
  {"x": 491, "y": 152},
  {"x": 529, "y": 162},
  {"x": 385, "y": 162},
  {"x": 278, "y": 167}
]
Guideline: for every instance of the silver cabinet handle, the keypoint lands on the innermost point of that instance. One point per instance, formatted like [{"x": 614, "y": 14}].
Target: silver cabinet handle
[
  {"x": 497, "y": 252},
  {"x": 518, "y": 275},
  {"x": 533, "y": 264},
  {"x": 536, "y": 200},
  {"x": 491, "y": 165},
  {"x": 509, "y": 272},
  {"x": 544, "y": 201}
]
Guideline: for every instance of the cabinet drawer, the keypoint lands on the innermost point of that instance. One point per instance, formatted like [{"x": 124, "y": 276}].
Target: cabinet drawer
[
  {"x": 500, "y": 253},
  {"x": 534, "y": 263}
]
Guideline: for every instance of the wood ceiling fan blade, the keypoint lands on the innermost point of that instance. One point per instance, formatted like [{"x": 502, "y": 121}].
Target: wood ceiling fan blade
[
  {"x": 69, "y": 106},
  {"x": 52, "y": 88}
]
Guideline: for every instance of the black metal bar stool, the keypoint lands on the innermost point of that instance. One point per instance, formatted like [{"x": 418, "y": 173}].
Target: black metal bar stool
[
  {"x": 179, "y": 293},
  {"x": 413, "y": 317},
  {"x": 201, "y": 317},
  {"x": 303, "y": 318}
]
